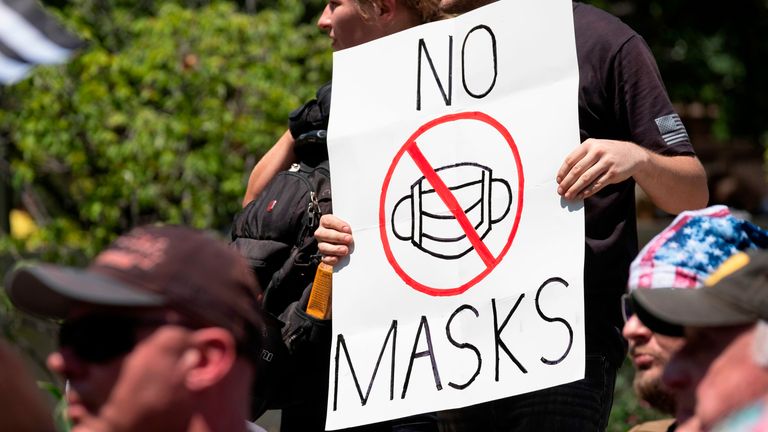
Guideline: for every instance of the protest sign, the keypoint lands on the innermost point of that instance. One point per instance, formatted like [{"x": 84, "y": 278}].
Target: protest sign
[{"x": 466, "y": 280}]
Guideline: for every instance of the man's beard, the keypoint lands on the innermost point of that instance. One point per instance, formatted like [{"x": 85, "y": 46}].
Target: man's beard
[{"x": 654, "y": 392}]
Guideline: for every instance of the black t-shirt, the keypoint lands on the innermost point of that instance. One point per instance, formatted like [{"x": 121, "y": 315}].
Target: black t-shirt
[{"x": 621, "y": 97}]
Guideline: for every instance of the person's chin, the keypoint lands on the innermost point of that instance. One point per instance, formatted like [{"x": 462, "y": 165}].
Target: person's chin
[{"x": 646, "y": 374}]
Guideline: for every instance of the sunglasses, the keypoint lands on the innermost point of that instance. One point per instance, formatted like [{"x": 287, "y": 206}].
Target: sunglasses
[
  {"x": 626, "y": 307},
  {"x": 101, "y": 338}
]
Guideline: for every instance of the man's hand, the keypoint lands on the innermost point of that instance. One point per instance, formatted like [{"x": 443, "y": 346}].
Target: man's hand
[
  {"x": 334, "y": 239},
  {"x": 674, "y": 183},
  {"x": 597, "y": 163}
]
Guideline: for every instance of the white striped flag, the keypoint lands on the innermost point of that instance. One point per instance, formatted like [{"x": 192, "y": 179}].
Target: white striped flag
[{"x": 30, "y": 36}]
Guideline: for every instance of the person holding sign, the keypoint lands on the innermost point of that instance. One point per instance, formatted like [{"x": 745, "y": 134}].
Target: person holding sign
[{"x": 630, "y": 135}]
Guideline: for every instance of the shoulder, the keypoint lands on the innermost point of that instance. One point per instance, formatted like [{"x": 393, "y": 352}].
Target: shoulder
[{"x": 597, "y": 30}]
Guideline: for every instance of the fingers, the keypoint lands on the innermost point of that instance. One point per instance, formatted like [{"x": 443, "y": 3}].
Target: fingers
[
  {"x": 598, "y": 163},
  {"x": 588, "y": 183},
  {"x": 334, "y": 239},
  {"x": 332, "y": 250},
  {"x": 581, "y": 174},
  {"x": 330, "y": 260},
  {"x": 332, "y": 222},
  {"x": 576, "y": 155},
  {"x": 333, "y": 230}
]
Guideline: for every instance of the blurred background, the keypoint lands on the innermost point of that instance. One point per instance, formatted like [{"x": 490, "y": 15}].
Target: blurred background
[{"x": 166, "y": 107}]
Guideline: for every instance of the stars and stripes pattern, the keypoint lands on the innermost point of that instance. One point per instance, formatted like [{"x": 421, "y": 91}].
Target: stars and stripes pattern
[
  {"x": 692, "y": 247},
  {"x": 30, "y": 36},
  {"x": 672, "y": 129}
]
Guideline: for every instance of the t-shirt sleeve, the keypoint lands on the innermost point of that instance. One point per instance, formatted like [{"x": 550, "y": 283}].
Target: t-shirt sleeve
[{"x": 643, "y": 103}]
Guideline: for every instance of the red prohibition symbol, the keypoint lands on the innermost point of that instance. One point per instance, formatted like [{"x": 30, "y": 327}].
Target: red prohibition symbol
[{"x": 489, "y": 259}]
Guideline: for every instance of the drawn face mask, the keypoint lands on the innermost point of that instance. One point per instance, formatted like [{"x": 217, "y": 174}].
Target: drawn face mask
[{"x": 479, "y": 196}]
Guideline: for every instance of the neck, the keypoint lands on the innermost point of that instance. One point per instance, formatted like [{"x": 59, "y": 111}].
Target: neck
[
  {"x": 405, "y": 20},
  {"x": 225, "y": 407}
]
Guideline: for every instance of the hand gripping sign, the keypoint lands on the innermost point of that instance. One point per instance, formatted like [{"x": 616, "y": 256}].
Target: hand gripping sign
[{"x": 467, "y": 209}]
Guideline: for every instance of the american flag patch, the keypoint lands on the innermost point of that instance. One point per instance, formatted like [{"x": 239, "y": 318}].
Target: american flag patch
[{"x": 672, "y": 129}]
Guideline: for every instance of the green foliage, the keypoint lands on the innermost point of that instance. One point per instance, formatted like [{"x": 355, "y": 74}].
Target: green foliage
[
  {"x": 159, "y": 119},
  {"x": 30, "y": 336},
  {"x": 708, "y": 54},
  {"x": 61, "y": 421}
]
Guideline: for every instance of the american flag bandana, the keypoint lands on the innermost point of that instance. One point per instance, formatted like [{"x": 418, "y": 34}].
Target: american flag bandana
[{"x": 685, "y": 253}]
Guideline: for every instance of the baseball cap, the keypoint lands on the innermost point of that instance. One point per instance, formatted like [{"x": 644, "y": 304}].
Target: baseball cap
[
  {"x": 735, "y": 294},
  {"x": 152, "y": 266},
  {"x": 688, "y": 251},
  {"x": 693, "y": 246}
]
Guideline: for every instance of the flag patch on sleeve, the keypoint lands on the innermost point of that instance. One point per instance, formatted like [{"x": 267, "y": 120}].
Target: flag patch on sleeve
[{"x": 672, "y": 129}]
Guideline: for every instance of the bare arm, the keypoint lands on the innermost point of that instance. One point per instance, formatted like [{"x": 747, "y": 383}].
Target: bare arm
[
  {"x": 278, "y": 158},
  {"x": 674, "y": 183}
]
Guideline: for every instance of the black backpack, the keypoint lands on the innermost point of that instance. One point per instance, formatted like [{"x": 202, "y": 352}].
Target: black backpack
[{"x": 275, "y": 232}]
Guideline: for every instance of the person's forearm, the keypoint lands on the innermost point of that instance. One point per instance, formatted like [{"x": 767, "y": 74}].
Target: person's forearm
[
  {"x": 674, "y": 183},
  {"x": 278, "y": 158}
]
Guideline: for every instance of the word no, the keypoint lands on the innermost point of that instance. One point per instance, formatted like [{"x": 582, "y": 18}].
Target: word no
[{"x": 448, "y": 94}]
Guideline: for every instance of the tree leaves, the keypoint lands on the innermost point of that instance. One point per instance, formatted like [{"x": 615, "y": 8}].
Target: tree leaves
[{"x": 156, "y": 123}]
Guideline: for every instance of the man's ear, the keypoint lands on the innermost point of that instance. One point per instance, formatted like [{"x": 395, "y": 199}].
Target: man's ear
[{"x": 212, "y": 356}]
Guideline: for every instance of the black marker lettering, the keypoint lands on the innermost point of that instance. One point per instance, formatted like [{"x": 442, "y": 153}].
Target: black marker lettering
[
  {"x": 495, "y": 63},
  {"x": 560, "y": 320},
  {"x": 497, "y": 335},
  {"x": 464, "y": 346},
  {"x": 364, "y": 398},
  {"x": 429, "y": 352},
  {"x": 446, "y": 97}
]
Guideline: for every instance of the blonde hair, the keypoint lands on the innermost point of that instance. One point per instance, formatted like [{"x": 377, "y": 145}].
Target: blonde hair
[{"x": 426, "y": 10}]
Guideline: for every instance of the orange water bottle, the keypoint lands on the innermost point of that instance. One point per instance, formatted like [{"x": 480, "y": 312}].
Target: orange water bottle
[{"x": 319, "y": 305}]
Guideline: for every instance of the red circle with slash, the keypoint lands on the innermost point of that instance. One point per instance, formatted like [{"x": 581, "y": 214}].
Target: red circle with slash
[{"x": 489, "y": 259}]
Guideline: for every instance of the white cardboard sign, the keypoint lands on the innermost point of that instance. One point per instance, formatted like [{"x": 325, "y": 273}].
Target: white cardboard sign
[{"x": 466, "y": 280}]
